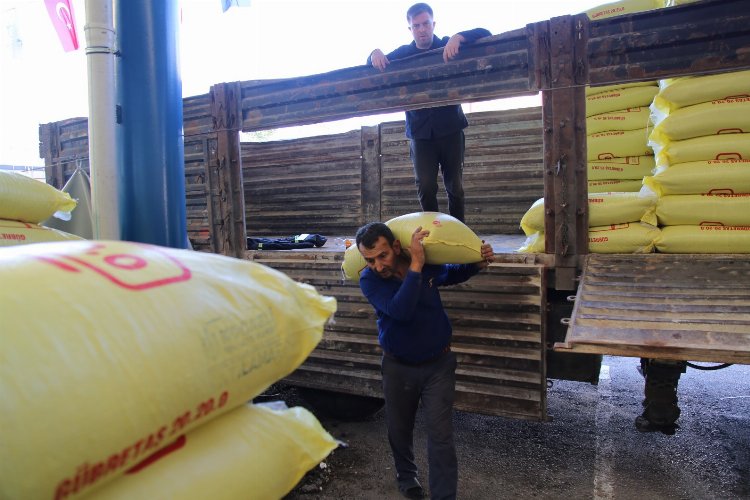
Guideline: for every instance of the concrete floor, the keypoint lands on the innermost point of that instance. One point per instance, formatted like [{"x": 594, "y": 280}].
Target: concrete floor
[{"x": 589, "y": 450}]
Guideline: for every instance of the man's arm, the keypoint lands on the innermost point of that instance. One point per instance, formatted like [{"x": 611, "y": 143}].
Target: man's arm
[
  {"x": 380, "y": 60},
  {"x": 400, "y": 306},
  {"x": 458, "y": 273},
  {"x": 454, "y": 43}
]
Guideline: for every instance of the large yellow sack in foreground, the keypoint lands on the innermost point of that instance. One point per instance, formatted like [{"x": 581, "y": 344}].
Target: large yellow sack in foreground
[
  {"x": 725, "y": 116},
  {"x": 701, "y": 209},
  {"x": 632, "y": 167},
  {"x": 623, "y": 119},
  {"x": 712, "y": 147},
  {"x": 28, "y": 200},
  {"x": 615, "y": 185},
  {"x": 450, "y": 241},
  {"x": 13, "y": 232},
  {"x": 251, "y": 452},
  {"x": 702, "y": 177},
  {"x": 617, "y": 144},
  {"x": 704, "y": 239},
  {"x": 613, "y": 100},
  {"x": 675, "y": 93},
  {"x": 110, "y": 350}
]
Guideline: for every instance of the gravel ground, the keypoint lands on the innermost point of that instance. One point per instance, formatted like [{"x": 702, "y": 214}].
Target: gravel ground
[{"x": 589, "y": 450}]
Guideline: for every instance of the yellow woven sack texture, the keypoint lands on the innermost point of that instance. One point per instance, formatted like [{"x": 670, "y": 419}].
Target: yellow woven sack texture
[
  {"x": 110, "y": 350},
  {"x": 13, "y": 232},
  {"x": 604, "y": 209},
  {"x": 25, "y": 199},
  {"x": 702, "y": 209},
  {"x": 617, "y": 144},
  {"x": 623, "y": 7},
  {"x": 725, "y": 116},
  {"x": 450, "y": 241},
  {"x": 633, "y": 97},
  {"x": 624, "y": 119},
  {"x": 633, "y": 167},
  {"x": 704, "y": 239},
  {"x": 615, "y": 185},
  {"x": 534, "y": 243},
  {"x": 675, "y": 93},
  {"x": 251, "y": 452},
  {"x": 634, "y": 237},
  {"x": 702, "y": 177},
  {"x": 712, "y": 147},
  {"x": 591, "y": 90}
]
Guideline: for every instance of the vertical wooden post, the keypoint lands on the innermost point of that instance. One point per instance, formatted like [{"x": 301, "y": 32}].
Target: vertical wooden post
[
  {"x": 371, "y": 174},
  {"x": 49, "y": 149},
  {"x": 226, "y": 192},
  {"x": 564, "y": 121}
]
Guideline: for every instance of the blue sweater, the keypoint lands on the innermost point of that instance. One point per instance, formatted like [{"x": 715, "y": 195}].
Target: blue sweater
[
  {"x": 433, "y": 123},
  {"x": 412, "y": 324}
]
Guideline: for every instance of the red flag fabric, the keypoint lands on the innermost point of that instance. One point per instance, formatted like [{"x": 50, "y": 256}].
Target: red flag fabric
[{"x": 61, "y": 14}]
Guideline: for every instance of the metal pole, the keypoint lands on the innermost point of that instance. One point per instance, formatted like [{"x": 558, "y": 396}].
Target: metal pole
[
  {"x": 150, "y": 91},
  {"x": 103, "y": 147}
]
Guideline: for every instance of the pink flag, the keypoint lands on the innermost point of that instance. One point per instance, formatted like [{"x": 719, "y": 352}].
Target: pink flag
[{"x": 61, "y": 13}]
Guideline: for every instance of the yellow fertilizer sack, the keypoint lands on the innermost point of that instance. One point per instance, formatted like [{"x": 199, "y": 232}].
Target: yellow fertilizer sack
[
  {"x": 604, "y": 209},
  {"x": 704, "y": 239},
  {"x": 13, "y": 232},
  {"x": 633, "y": 97},
  {"x": 624, "y": 119},
  {"x": 702, "y": 177},
  {"x": 634, "y": 237},
  {"x": 533, "y": 220},
  {"x": 675, "y": 93},
  {"x": 534, "y": 244},
  {"x": 251, "y": 452},
  {"x": 621, "y": 8},
  {"x": 725, "y": 116},
  {"x": 25, "y": 199},
  {"x": 701, "y": 209},
  {"x": 591, "y": 90},
  {"x": 450, "y": 241},
  {"x": 617, "y": 144},
  {"x": 111, "y": 350},
  {"x": 712, "y": 147},
  {"x": 617, "y": 208},
  {"x": 616, "y": 186},
  {"x": 633, "y": 167}
]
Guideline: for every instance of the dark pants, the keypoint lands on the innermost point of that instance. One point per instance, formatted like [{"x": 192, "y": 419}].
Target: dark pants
[
  {"x": 434, "y": 383},
  {"x": 444, "y": 153}
]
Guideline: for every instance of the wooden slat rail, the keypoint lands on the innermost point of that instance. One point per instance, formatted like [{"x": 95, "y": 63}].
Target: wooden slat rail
[{"x": 684, "y": 307}]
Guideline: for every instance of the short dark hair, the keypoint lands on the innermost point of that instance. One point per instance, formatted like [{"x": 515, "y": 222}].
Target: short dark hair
[
  {"x": 417, "y": 9},
  {"x": 370, "y": 233}
]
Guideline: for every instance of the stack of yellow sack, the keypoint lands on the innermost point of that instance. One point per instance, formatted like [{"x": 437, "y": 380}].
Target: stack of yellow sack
[
  {"x": 24, "y": 203},
  {"x": 450, "y": 241},
  {"x": 614, "y": 224},
  {"x": 701, "y": 138},
  {"x": 617, "y": 124},
  {"x": 126, "y": 368}
]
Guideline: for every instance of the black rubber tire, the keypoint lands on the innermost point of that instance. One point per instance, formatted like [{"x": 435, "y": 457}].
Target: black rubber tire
[{"x": 341, "y": 406}]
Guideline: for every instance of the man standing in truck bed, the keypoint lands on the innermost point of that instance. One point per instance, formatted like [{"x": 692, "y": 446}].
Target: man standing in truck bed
[{"x": 436, "y": 134}]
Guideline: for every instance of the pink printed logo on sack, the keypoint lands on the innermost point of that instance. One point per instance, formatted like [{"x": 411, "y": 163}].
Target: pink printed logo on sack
[{"x": 129, "y": 271}]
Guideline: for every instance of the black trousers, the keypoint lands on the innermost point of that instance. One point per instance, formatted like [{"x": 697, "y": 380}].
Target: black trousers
[
  {"x": 434, "y": 383},
  {"x": 447, "y": 155}
]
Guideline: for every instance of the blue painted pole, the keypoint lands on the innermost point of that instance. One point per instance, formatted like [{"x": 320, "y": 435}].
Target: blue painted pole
[{"x": 152, "y": 198}]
